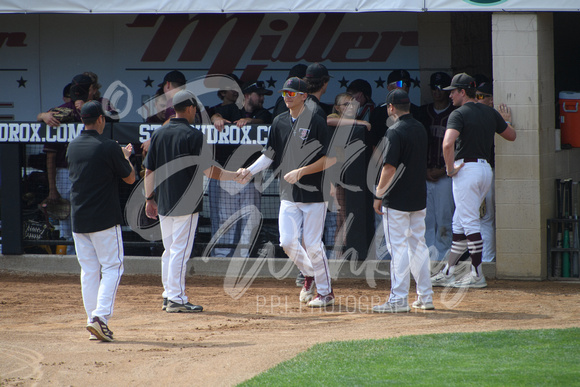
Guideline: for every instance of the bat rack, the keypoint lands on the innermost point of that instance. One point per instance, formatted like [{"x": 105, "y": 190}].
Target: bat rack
[{"x": 563, "y": 251}]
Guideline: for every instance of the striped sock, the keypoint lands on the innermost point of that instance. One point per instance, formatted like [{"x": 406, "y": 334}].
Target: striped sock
[
  {"x": 458, "y": 247},
  {"x": 475, "y": 245}
]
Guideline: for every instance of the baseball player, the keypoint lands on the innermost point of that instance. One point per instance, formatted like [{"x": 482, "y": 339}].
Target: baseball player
[
  {"x": 466, "y": 148},
  {"x": 402, "y": 194},
  {"x": 96, "y": 164},
  {"x": 297, "y": 146},
  {"x": 176, "y": 156}
]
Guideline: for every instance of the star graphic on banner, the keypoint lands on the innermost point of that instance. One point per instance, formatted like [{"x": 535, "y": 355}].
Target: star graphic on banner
[
  {"x": 21, "y": 82},
  {"x": 271, "y": 82},
  {"x": 343, "y": 83},
  {"x": 148, "y": 82},
  {"x": 416, "y": 82},
  {"x": 380, "y": 82}
]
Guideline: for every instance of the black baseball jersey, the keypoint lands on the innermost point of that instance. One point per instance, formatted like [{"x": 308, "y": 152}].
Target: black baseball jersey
[
  {"x": 407, "y": 151},
  {"x": 477, "y": 124},
  {"x": 96, "y": 164},
  {"x": 316, "y": 106},
  {"x": 435, "y": 123},
  {"x": 378, "y": 121},
  {"x": 178, "y": 156},
  {"x": 296, "y": 143}
]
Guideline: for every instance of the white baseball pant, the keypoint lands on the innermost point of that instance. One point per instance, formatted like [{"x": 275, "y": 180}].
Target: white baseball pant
[
  {"x": 405, "y": 237},
  {"x": 100, "y": 255},
  {"x": 470, "y": 185},
  {"x": 488, "y": 225},
  {"x": 306, "y": 220},
  {"x": 178, "y": 233}
]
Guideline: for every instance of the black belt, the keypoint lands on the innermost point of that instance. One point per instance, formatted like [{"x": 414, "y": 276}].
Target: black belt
[{"x": 471, "y": 160}]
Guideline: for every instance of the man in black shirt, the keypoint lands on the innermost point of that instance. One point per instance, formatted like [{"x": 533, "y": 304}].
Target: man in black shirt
[
  {"x": 297, "y": 146},
  {"x": 403, "y": 199},
  {"x": 96, "y": 164},
  {"x": 467, "y": 148},
  {"x": 177, "y": 155}
]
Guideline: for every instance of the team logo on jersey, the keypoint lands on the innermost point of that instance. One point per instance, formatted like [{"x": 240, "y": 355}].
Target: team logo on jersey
[{"x": 303, "y": 133}]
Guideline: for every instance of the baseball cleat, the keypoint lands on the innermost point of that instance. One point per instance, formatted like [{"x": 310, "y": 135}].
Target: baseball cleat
[
  {"x": 471, "y": 281},
  {"x": 188, "y": 307},
  {"x": 423, "y": 305},
  {"x": 100, "y": 329},
  {"x": 392, "y": 307},
  {"x": 164, "y": 306},
  {"x": 307, "y": 292},
  {"x": 441, "y": 279},
  {"x": 321, "y": 301}
]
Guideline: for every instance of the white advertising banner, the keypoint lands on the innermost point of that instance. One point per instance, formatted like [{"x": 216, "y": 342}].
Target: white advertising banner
[
  {"x": 40, "y": 54},
  {"x": 202, "y": 6}
]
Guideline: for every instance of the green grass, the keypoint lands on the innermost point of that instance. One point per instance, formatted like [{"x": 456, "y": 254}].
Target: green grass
[{"x": 503, "y": 358}]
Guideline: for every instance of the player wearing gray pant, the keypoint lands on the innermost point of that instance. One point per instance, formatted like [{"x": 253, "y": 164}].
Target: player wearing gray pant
[{"x": 466, "y": 149}]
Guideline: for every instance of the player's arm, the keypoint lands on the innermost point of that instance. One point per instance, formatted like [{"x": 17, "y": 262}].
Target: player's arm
[
  {"x": 218, "y": 173},
  {"x": 385, "y": 181},
  {"x": 318, "y": 166},
  {"x": 127, "y": 153},
  {"x": 150, "y": 204},
  {"x": 449, "y": 151},
  {"x": 244, "y": 175}
]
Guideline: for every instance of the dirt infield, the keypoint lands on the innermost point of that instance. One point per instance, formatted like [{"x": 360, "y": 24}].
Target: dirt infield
[{"x": 44, "y": 341}]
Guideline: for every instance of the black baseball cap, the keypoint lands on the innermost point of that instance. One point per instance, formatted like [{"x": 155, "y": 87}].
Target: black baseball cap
[
  {"x": 184, "y": 98},
  {"x": 485, "y": 88},
  {"x": 258, "y": 87},
  {"x": 92, "y": 109},
  {"x": 398, "y": 97},
  {"x": 316, "y": 70},
  {"x": 80, "y": 85},
  {"x": 362, "y": 86},
  {"x": 462, "y": 81},
  {"x": 174, "y": 76},
  {"x": 295, "y": 84},
  {"x": 398, "y": 75},
  {"x": 439, "y": 80},
  {"x": 66, "y": 90},
  {"x": 298, "y": 70}
]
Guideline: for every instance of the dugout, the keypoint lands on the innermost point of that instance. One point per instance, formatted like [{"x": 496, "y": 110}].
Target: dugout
[{"x": 527, "y": 46}]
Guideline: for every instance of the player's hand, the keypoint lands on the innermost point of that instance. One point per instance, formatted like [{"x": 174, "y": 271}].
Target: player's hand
[
  {"x": 145, "y": 146},
  {"x": 293, "y": 176},
  {"x": 127, "y": 151},
  {"x": 53, "y": 197},
  {"x": 455, "y": 169},
  {"x": 79, "y": 104},
  {"x": 243, "y": 175},
  {"x": 377, "y": 205},
  {"x": 505, "y": 111},
  {"x": 219, "y": 123},
  {"x": 242, "y": 122},
  {"x": 49, "y": 119},
  {"x": 151, "y": 209}
]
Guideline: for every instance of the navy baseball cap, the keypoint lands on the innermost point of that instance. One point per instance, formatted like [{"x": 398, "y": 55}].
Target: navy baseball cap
[
  {"x": 316, "y": 70},
  {"x": 439, "y": 80},
  {"x": 398, "y": 97},
  {"x": 398, "y": 75},
  {"x": 295, "y": 84},
  {"x": 462, "y": 81},
  {"x": 174, "y": 76},
  {"x": 258, "y": 87},
  {"x": 298, "y": 70},
  {"x": 92, "y": 109},
  {"x": 362, "y": 86},
  {"x": 80, "y": 85},
  {"x": 184, "y": 98}
]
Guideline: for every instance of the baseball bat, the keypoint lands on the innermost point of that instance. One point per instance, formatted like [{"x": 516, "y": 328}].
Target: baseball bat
[{"x": 557, "y": 259}]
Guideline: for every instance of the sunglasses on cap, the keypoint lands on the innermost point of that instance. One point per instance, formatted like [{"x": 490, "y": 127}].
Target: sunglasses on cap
[
  {"x": 397, "y": 84},
  {"x": 286, "y": 93},
  {"x": 482, "y": 96}
]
